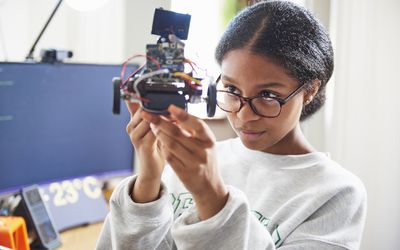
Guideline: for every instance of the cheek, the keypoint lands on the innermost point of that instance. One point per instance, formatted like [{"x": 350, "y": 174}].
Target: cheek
[
  {"x": 290, "y": 114},
  {"x": 231, "y": 119}
]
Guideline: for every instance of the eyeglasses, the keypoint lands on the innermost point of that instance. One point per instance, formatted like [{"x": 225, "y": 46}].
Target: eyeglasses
[{"x": 262, "y": 105}]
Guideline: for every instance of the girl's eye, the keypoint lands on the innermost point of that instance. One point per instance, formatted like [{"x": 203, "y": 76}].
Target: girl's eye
[
  {"x": 231, "y": 89},
  {"x": 266, "y": 93}
]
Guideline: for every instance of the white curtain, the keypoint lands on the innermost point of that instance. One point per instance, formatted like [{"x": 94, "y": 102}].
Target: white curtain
[{"x": 363, "y": 132}]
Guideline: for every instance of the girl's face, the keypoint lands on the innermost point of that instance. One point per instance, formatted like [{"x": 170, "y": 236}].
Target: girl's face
[{"x": 249, "y": 75}]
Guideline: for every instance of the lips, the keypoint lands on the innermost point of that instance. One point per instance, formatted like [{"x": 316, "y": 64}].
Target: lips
[{"x": 249, "y": 135}]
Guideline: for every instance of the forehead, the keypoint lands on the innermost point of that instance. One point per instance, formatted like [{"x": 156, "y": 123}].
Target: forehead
[{"x": 244, "y": 66}]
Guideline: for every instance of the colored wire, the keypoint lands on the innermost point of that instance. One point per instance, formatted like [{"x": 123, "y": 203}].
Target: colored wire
[
  {"x": 145, "y": 76},
  {"x": 124, "y": 65},
  {"x": 191, "y": 63},
  {"x": 194, "y": 65},
  {"x": 123, "y": 83},
  {"x": 148, "y": 75},
  {"x": 123, "y": 86},
  {"x": 193, "y": 82},
  {"x": 188, "y": 79},
  {"x": 142, "y": 99}
]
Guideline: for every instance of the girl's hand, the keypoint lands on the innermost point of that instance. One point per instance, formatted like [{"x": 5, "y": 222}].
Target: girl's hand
[
  {"x": 147, "y": 185},
  {"x": 189, "y": 147}
]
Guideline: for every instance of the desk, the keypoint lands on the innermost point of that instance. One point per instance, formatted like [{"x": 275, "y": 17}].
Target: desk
[{"x": 80, "y": 238}]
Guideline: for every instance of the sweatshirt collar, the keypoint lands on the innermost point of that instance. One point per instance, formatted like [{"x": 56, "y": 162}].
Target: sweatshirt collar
[{"x": 274, "y": 160}]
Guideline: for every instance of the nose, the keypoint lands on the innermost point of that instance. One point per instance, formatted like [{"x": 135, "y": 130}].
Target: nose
[{"x": 246, "y": 114}]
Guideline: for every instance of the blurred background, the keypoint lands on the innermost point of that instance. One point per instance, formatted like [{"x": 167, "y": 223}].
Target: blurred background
[{"x": 359, "y": 124}]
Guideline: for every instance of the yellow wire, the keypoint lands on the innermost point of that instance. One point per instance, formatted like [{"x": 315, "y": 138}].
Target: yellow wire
[{"x": 187, "y": 77}]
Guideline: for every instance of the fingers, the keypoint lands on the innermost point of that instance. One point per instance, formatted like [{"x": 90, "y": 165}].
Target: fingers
[
  {"x": 173, "y": 157},
  {"x": 196, "y": 127},
  {"x": 141, "y": 132},
  {"x": 183, "y": 149},
  {"x": 188, "y": 153},
  {"x": 173, "y": 131},
  {"x": 132, "y": 107},
  {"x": 138, "y": 129}
]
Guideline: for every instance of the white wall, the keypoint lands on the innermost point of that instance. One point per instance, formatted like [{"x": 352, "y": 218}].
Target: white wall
[{"x": 109, "y": 34}]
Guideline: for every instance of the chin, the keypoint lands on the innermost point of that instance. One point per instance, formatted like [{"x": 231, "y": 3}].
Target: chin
[{"x": 255, "y": 145}]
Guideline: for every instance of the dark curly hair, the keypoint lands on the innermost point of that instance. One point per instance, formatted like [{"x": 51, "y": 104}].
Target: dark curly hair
[{"x": 290, "y": 36}]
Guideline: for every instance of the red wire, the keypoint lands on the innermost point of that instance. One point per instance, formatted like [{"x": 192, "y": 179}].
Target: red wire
[
  {"x": 124, "y": 66},
  {"x": 138, "y": 97},
  {"x": 191, "y": 64},
  {"x": 154, "y": 61},
  {"x": 130, "y": 93},
  {"x": 194, "y": 86},
  {"x": 134, "y": 56},
  {"x": 123, "y": 82},
  {"x": 131, "y": 75}
]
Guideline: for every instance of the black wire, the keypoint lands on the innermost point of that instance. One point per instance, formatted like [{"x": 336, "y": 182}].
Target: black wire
[{"x": 30, "y": 54}]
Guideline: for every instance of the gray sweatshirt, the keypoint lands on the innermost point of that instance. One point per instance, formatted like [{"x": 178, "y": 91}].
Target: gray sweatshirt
[{"x": 275, "y": 202}]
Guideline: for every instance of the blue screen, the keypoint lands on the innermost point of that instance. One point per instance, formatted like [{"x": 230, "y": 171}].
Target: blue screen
[{"x": 56, "y": 123}]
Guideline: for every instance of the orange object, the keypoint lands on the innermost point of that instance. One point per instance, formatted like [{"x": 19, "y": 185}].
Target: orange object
[{"x": 13, "y": 233}]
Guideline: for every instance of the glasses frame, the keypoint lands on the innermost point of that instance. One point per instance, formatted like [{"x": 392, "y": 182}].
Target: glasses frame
[{"x": 281, "y": 101}]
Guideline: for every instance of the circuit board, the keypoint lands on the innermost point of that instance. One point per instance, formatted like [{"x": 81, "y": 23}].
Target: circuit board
[{"x": 169, "y": 55}]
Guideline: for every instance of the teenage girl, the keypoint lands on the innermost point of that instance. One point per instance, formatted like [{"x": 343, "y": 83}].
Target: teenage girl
[{"x": 266, "y": 189}]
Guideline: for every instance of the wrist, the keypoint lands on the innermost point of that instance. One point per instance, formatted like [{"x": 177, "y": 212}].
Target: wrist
[
  {"x": 211, "y": 202},
  {"x": 146, "y": 189},
  {"x": 147, "y": 156}
]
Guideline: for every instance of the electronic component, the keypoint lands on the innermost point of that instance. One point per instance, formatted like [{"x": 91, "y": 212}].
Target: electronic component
[
  {"x": 162, "y": 80},
  {"x": 54, "y": 55}
]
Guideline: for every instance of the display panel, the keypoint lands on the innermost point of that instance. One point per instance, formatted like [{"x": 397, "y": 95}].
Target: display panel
[{"x": 56, "y": 123}]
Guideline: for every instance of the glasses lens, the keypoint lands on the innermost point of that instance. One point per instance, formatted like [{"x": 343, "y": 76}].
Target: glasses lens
[
  {"x": 266, "y": 106},
  {"x": 228, "y": 101}
]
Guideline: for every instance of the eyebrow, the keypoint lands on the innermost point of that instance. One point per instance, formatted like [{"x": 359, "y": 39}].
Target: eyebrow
[{"x": 263, "y": 85}]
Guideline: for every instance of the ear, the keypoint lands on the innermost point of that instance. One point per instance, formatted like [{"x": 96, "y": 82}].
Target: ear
[{"x": 312, "y": 90}]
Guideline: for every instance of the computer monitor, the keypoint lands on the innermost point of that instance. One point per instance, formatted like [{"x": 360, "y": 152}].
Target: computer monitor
[{"x": 56, "y": 123}]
